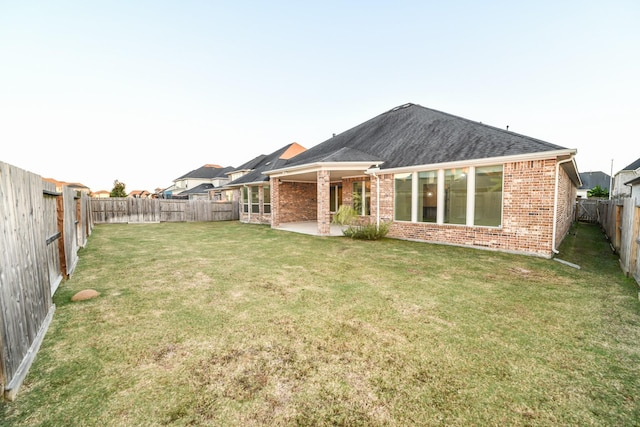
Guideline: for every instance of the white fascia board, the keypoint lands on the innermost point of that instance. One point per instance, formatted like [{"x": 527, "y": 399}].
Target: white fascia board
[
  {"x": 314, "y": 167},
  {"x": 246, "y": 184},
  {"x": 487, "y": 161}
]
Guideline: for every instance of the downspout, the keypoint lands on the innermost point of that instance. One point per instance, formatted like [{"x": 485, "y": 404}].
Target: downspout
[{"x": 555, "y": 205}]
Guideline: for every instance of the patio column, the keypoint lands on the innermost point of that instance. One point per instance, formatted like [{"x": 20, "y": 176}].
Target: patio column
[
  {"x": 324, "y": 215},
  {"x": 275, "y": 202}
]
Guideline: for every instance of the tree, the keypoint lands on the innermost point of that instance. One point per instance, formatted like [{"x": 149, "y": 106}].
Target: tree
[
  {"x": 598, "y": 191},
  {"x": 118, "y": 189}
]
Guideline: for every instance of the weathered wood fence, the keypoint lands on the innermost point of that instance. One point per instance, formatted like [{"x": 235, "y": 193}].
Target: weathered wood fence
[
  {"x": 41, "y": 231},
  {"x": 131, "y": 210},
  {"x": 587, "y": 210},
  {"x": 620, "y": 220}
]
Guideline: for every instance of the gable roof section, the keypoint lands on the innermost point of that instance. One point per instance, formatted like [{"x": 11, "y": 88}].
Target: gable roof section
[
  {"x": 207, "y": 172},
  {"x": 198, "y": 189},
  {"x": 251, "y": 164},
  {"x": 591, "y": 179},
  {"x": 269, "y": 162},
  {"x": 411, "y": 135},
  {"x": 633, "y": 166}
]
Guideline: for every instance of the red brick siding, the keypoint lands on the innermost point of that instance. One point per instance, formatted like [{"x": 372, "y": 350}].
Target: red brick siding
[
  {"x": 567, "y": 193},
  {"x": 297, "y": 202}
]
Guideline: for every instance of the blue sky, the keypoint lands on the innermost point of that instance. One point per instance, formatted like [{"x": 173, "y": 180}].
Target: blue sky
[{"x": 145, "y": 91}]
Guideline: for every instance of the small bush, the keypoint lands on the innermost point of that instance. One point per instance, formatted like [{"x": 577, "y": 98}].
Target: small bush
[{"x": 367, "y": 231}]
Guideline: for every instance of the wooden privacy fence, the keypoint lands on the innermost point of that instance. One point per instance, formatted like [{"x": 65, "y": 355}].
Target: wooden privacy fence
[
  {"x": 587, "y": 210},
  {"x": 620, "y": 220},
  {"x": 131, "y": 210},
  {"x": 41, "y": 231}
]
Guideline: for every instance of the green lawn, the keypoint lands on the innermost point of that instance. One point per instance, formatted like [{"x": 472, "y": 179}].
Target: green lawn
[{"x": 230, "y": 324}]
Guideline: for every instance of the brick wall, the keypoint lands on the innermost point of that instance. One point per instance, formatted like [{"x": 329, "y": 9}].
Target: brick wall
[
  {"x": 567, "y": 194},
  {"x": 298, "y": 202}
]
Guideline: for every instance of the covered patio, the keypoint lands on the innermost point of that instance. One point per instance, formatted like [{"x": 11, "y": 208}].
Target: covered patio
[
  {"x": 301, "y": 195},
  {"x": 310, "y": 228}
]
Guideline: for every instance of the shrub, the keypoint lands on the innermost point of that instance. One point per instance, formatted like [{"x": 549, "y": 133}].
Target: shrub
[{"x": 367, "y": 231}]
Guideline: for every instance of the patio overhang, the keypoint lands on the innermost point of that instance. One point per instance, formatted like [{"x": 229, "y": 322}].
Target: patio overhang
[{"x": 309, "y": 172}]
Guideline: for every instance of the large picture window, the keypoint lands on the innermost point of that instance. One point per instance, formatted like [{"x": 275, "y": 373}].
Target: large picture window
[
  {"x": 488, "y": 196},
  {"x": 455, "y": 200},
  {"x": 428, "y": 196},
  {"x": 361, "y": 195},
  {"x": 402, "y": 187}
]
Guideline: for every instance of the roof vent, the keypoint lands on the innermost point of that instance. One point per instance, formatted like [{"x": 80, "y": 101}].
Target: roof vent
[{"x": 400, "y": 107}]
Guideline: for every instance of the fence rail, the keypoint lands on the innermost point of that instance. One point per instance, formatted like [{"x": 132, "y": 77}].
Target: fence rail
[
  {"x": 620, "y": 220},
  {"x": 41, "y": 230},
  {"x": 131, "y": 210}
]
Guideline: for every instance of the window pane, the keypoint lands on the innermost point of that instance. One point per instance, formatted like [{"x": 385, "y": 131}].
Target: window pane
[
  {"x": 455, "y": 196},
  {"x": 402, "y": 193},
  {"x": 254, "y": 194},
  {"x": 367, "y": 198},
  {"x": 428, "y": 196},
  {"x": 267, "y": 194},
  {"x": 488, "y": 209},
  {"x": 356, "y": 195}
]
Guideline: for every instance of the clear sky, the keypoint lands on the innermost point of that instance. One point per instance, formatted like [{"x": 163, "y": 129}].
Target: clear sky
[{"x": 146, "y": 91}]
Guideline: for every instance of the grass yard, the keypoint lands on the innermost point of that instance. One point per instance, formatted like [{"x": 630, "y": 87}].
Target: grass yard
[{"x": 230, "y": 324}]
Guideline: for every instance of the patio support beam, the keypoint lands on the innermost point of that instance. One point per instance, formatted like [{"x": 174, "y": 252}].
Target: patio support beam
[
  {"x": 323, "y": 214},
  {"x": 274, "y": 185}
]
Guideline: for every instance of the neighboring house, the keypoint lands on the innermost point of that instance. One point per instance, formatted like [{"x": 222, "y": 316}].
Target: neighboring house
[
  {"x": 620, "y": 179},
  {"x": 207, "y": 174},
  {"x": 251, "y": 186},
  {"x": 634, "y": 184},
  {"x": 437, "y": 178},
  {"x": 591, "y": 180},
  {"x": 199, "y": 192},
  {"x": 75, "y": 185},
  {"x": 102, "y": 194},
  {"x": 139, "y": 194}
]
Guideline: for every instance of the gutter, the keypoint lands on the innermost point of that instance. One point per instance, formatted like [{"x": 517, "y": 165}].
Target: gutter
[{"x": 555, "y": 204}]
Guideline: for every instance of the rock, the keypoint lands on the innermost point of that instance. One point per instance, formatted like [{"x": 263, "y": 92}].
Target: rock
[{"x": 85, "y": 294}]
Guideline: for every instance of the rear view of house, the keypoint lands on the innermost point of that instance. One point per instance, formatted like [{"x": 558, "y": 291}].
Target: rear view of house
[{"x": 437, "y": 178}]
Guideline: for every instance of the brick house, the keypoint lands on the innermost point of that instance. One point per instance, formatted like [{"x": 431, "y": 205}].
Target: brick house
[
  {"x": 437, "y": 178},
  {"x": 251, "y": 187}
]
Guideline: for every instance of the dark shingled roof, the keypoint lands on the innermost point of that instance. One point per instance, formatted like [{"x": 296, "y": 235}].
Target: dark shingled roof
[
  {"x": 591, "y": 179},
  {"x": 414, "y": 135},
  {"x": 198, "y": 189},
  {"x": 251, "y": 164},
  {"x": 207, "y": 172},
  {"x": 633, "y": 166},
  {"x": 267, "y": 163}
]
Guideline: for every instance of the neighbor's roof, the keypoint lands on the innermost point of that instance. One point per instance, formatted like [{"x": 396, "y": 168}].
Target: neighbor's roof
[
  {"x": 198, "y": 189},
  {"x": 251, "y": 164},
  {"x": 411, "y": 135},
  {"x": 269, "y": 162},
  {"x": 633, "y": 166},
  {"x": 591, "y": 179},
  {"x": 207, "y": 172}
]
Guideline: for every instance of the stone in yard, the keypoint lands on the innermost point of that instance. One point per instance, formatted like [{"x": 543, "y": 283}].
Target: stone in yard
[{"x": 84, "y": 295}]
